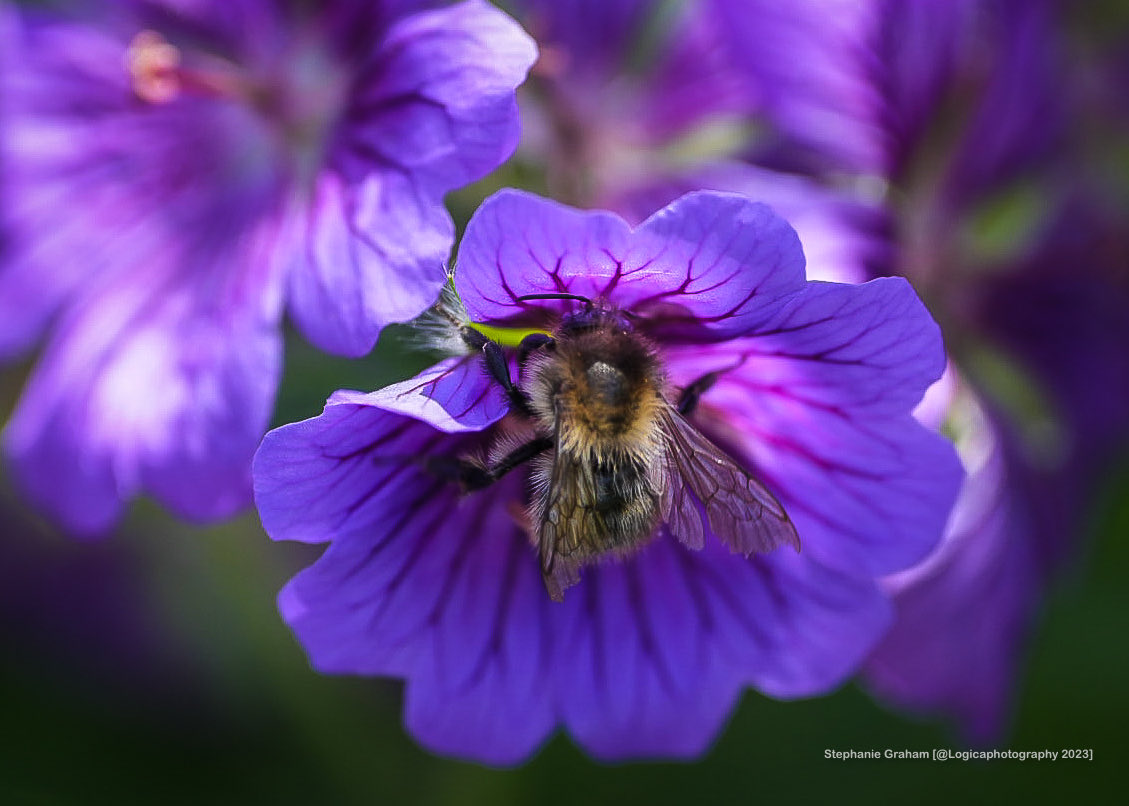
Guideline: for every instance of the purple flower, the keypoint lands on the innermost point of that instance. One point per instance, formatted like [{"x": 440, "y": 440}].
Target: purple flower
[
  {"x": 813, "y": 385},
  {"x": 970, "y": 604},
  {"x": 178, "y": 170},
  {"x": 964, "y": 615}
]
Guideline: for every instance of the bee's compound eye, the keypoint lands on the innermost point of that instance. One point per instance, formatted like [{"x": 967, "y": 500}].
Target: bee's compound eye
[{"x": 606, "y": 383}]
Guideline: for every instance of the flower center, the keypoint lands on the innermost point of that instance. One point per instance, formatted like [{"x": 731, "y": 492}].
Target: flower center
[
  {"x": 152, "y": 64},
  {"x": 299, "y": 95}
]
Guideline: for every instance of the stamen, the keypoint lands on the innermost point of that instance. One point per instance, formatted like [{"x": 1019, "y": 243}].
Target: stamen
[
  {"x": 153, "y": 66},
  {"x": 158, "y": 73}
]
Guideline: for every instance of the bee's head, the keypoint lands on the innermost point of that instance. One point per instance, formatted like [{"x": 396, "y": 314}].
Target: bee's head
[
  {"x": 594, "y": 318},
  {"x": 594, "y": 315}
]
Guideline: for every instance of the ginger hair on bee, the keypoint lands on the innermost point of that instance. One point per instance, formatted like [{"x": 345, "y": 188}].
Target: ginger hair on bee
[{"x": 601, "y": 391}]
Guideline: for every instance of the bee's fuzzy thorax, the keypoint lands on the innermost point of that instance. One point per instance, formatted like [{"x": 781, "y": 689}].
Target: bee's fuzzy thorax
[{"x": 604, "y": 386}]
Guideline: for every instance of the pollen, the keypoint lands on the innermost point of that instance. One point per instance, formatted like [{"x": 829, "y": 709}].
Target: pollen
[{"x": 153, "y": 64}]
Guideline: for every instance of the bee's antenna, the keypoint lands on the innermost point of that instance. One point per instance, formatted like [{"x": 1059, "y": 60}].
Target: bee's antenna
[{"x": 576, "y": 297}]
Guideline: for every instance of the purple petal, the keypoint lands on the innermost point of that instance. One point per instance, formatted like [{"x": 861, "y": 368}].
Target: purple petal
[
  {"x": 845, "y": 239},
  {"x": 517, "y": 243},
  {"x": 591, "y": 44},
  {"x": 316, "y": 478},
  {"x": 441, "y": 98},
  {"x": 655, "y": 650},
  {"x": 732, "y": 261},
  {"x": 143, "y": 173},
  {"x": 1021, "y": 117},
  {"x": 360, "y": 257},
  {"x": 1064, "y": 314},
  {"x": 595, "y": 33},
  {"x": 934, "y": 406},
  {"x": 808, "y": 64},
  {"x": 818, "y": 403},
  {"x": 641, "y": 671},
  {"x": 434, "y": 111},
  {"x": 644, "y": 657},
  {"x": 28, "y": 299},
  {"x": 488, "y": 692},
  {"x": 454, "y": 395},
  {"x": 134, "y": 395},
  {"x": 329, "y": 455},
  {"x": 693, "y": 85},
  {"x": 920, "y": 46},
  {"x": 963, "y": 614},
  {"x": 715, "y": 263}
]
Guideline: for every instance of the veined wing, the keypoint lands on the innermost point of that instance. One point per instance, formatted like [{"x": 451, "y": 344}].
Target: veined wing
[
  {"x": 740, "y": 510},
  {"x": 561, "y": 526}
]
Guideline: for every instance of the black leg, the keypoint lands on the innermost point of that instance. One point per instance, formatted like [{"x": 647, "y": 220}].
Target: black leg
[
  {"x": 499, "y": 370},
  {"x": 472, "y": 338},
  {"x": 688, "y": 400},
  {"x": 470, "y": 476}
]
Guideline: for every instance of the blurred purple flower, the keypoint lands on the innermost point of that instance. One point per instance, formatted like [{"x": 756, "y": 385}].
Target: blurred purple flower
[
  {"x": 175, "y": 170},
  {"x": 990, "y": 236},
  {"x": 853, "y": 89},
  {"x": 646, "y": 656},
  {"x": 965, "y": 613}
]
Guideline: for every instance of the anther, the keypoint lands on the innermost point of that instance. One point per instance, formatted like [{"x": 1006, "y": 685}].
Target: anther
[{"x": 153, "y": 66}]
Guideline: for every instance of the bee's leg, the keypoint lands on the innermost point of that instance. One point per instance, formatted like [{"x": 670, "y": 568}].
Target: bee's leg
[
  {"x": 472, "y": 338},
  {"x": 471, "y": 476},
  {"x": 531, "y": 343},
  {"x": 688, "y": 400},
  {"x": 500, "y": 371}
]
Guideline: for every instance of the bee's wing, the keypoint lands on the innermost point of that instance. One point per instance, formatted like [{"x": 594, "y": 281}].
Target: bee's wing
[
  {"x": 741, "y": 511},
  {"x": 558, "y": 535},
  {"x": 560, "y": 497}
]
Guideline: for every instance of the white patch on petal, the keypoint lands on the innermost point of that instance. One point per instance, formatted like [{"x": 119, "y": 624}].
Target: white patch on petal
[{"x": 136, "y": 400}]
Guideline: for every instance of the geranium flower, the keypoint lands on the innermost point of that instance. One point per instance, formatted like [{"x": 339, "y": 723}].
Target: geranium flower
[
  {"x": 175, "y": 172},
  {"x": 434, "y": 576}
]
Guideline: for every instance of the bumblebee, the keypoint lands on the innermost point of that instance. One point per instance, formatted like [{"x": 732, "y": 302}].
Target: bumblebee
[{"x": 612, "y": 457}]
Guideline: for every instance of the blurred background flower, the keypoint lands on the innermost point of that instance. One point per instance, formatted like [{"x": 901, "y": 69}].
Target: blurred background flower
[
  {"x": 175, "y": 172},
  {"x": 979, "y": 148}
]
